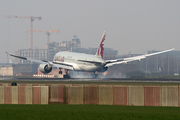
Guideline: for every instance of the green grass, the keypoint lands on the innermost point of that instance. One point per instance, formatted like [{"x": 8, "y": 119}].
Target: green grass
[{"x": 87, "y": 112}]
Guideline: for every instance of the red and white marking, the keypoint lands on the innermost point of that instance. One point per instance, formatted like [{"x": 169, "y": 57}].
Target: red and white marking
[{"x": 43, "y": 76}]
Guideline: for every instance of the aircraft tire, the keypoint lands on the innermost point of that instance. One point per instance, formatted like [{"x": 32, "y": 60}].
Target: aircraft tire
[
  {"x": 66, "y": 76},
  {"x": 14, "y": 84}
]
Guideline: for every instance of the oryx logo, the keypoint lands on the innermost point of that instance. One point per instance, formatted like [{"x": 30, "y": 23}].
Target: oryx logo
[{"x": 101, "y": 47}]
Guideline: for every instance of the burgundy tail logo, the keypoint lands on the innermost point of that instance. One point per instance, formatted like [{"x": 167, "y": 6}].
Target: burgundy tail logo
[{"x": 101, "y": 47}]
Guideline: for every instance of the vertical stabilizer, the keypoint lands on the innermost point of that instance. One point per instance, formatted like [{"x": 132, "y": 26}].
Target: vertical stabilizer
[{"x": 100, "y": 50}]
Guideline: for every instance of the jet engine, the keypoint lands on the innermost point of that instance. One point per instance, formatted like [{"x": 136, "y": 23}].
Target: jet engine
[{"x": 45, "y": 68}]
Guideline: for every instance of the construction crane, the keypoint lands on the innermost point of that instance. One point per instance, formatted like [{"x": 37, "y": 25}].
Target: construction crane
[
  {"x": 31, "y": 25},
  {"x": 48, "y": 32}
]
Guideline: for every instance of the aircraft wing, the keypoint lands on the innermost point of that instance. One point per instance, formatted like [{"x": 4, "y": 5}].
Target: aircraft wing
[
  {"x": 125, "y": 60},
  {"x": 54, "y": 64}
]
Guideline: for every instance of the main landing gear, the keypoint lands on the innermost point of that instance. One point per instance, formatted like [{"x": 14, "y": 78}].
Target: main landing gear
[
  {"x": 66, "y": 75},
  {"x": 95, "y": 75}
]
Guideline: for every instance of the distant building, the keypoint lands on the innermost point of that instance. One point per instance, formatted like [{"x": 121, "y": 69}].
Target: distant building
[{"x": 18, "y": 69}]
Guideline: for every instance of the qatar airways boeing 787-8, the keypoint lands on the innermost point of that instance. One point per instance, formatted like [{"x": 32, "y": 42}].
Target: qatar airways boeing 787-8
[{"x": 83, "y": 62}]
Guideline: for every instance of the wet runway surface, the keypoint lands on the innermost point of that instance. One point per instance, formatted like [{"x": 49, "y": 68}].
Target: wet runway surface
[
  {"x": 110, "y": 81},
  {"x": 102, "y": 79},
  {"x": 92, "y": 79}
]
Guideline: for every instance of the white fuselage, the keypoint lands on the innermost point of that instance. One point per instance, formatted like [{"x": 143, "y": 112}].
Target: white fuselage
[{"x": 80, "y": 61}]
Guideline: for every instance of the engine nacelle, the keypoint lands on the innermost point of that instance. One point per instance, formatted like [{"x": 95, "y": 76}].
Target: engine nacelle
[{"x": 44, "y": 68}]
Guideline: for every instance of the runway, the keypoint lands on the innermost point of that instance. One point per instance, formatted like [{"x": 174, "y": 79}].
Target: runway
[
  {"x": 109, "y": 81},
  {"x": 92, "y": 79}
]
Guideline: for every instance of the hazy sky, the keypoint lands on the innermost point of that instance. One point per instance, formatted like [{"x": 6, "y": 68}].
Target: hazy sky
[{"x": 131, "y": 25}]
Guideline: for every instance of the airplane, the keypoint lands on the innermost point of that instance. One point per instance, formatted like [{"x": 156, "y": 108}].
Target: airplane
[{"x": 72, "y": 61}]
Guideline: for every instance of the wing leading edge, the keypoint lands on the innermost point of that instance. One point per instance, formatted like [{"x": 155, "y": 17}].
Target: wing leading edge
[
  {"x": 54, "y": 64},
  {"x": 125, "y": 60}
]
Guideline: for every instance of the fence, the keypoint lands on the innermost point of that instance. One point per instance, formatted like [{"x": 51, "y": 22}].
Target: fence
[{"x": 90, "y": 94}]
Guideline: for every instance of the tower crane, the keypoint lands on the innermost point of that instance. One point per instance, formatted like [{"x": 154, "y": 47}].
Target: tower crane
[
  {"x": 48, "y": 32},
  {"x": 31, "y": 25}
]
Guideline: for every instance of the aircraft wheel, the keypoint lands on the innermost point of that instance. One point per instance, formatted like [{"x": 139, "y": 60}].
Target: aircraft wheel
[
  {"x": 66, "y": 76},
  {"x": 60, "y": 72},
  {"x": 14, "y": 84}
]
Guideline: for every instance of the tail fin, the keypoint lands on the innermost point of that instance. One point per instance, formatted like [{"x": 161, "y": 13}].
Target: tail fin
[{"x": 100, "y": 50}]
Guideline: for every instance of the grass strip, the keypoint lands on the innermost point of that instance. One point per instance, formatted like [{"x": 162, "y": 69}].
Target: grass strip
[{"x": 88, "y": 112}]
